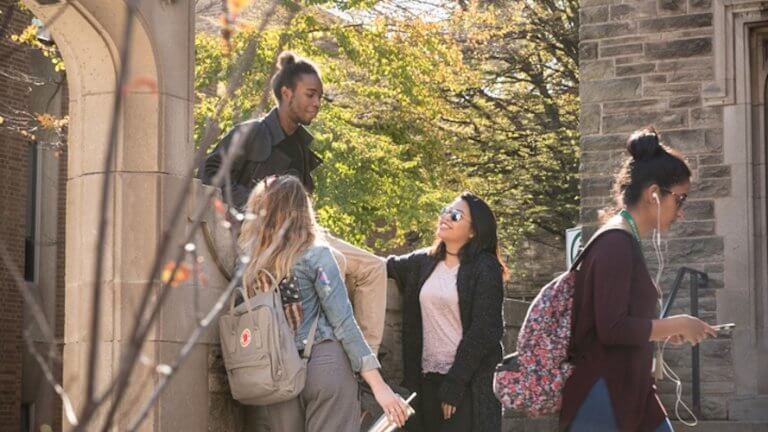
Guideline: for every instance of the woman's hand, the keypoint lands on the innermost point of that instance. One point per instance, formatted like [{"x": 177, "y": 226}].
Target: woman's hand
[
  {"x": 693, "y": 330},
  {"x": 393, "y": 405},
  {"x": 676, "y": 339},
  {"x": 448, "y": 411},
  {"x": 689, "y": 329}
]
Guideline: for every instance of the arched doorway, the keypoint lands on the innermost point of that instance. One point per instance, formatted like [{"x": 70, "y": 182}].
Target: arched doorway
[
  {"x": 759, "y": 158},
  {"x": 741, "y": 74},
  {"x": 153, "y": 151}
]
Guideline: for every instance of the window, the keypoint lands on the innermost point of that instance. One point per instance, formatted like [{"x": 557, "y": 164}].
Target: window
[
  {"x": 27, "y": 417},
  {"x": 30, "y": 236}
]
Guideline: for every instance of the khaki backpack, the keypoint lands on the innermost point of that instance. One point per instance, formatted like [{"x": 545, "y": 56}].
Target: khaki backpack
[{"x": 263, "y": 365}]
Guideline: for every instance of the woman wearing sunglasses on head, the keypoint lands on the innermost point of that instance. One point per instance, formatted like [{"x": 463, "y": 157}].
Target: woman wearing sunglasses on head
[
  {"x": 452, "y": 321},
  {"x": 615, "y": 300}
]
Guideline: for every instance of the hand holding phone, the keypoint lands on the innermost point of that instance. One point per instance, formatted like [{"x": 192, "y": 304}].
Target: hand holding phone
[{"x": 724, "y": 327}]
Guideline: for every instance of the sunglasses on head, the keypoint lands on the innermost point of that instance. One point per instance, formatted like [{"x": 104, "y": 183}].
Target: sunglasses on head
[
  {"x": 455, "y": 214},
  {"x": 268, "y": 180},
  {"x": 679, "y": 198}
]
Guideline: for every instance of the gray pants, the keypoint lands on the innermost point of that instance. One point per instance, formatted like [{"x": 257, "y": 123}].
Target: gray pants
[{"x": 330, "y": 400}]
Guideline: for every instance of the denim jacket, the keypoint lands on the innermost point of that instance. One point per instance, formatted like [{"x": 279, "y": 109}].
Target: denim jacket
[{"x": 323, "y": 291}]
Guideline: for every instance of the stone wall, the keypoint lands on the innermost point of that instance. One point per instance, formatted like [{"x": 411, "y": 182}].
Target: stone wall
[
  {"x": 539, "y": 259},
  {"x": 224, "y": 413},
  {"x": 644, "y": 62}
]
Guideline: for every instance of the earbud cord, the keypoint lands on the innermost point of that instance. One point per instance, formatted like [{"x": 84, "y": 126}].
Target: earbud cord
[{"x": 666, "y": 369}]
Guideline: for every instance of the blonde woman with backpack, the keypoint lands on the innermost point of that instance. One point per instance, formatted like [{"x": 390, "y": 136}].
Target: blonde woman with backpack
[
  {"x": 280, "y": 236},
  {"x": 615, "y": 300}
]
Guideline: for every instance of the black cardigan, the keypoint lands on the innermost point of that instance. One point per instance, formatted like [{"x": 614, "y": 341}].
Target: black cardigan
[{"x": 481, "y": 294}]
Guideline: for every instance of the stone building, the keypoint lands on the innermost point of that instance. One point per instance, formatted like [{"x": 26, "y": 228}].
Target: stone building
[
  {"x": 55, "y": 235},
  {"x": 694, "y": 68},
  {"x": 153, "y": 152},
  {"x": 697, "y": 70}
]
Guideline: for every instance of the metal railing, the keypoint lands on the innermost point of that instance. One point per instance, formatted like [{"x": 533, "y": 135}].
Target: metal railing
[{"x": 698, "y": 280}]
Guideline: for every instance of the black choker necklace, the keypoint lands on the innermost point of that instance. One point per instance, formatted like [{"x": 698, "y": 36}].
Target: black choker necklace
[{"x": 451, "y": 253}]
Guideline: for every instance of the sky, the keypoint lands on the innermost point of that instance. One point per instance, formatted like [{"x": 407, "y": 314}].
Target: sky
[{"x": 427, "y": 10}]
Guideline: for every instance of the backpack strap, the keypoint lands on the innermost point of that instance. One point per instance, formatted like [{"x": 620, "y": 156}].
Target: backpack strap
[
  {"x": 614, "y": 223},
  {"x": 579, "y": 350},
  {"x": 307, "y": 351}
]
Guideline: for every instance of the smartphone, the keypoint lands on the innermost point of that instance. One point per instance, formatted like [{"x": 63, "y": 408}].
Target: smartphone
[{"x": 724, "y": 327}]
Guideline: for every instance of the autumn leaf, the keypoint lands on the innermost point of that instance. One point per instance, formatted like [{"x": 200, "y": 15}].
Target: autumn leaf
[
  {"x": 235, "y": 7},
  {"x": 219, "y": 206},
  {"x": 50, "y": 122},
  {"x": 183, "y": 273}
]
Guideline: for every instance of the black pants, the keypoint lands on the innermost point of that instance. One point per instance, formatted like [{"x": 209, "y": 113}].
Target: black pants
[{"x": 431, "y": 415}]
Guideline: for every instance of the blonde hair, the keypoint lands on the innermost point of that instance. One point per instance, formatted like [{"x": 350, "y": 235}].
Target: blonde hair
[{"x": 279, "y": 227}]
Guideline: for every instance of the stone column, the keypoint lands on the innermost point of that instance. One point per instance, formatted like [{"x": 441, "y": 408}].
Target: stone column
[{"x": 154, "y": 150}]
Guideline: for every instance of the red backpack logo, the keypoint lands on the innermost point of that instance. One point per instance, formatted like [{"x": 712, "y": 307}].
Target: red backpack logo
[{"x": 531, "y": 380}]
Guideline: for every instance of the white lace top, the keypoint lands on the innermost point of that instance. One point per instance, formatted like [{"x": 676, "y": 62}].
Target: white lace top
[{"x": 441, "y": 320}]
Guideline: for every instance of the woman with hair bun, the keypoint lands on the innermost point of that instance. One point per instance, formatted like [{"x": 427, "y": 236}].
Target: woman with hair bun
[{"x": 615, "y": 300}]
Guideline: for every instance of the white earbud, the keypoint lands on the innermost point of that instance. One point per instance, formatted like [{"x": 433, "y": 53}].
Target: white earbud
[{"x": 656, "y": 198}]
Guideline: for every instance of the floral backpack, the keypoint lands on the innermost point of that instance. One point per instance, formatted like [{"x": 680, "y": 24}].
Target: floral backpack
[{"x": 531, "y": 380}]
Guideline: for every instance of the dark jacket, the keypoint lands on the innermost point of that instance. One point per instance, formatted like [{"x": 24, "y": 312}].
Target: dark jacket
[
  {"x": 615, "y": 298},
  {"x": 260, "y": 156},
  {"x": 481, "y": 294}
]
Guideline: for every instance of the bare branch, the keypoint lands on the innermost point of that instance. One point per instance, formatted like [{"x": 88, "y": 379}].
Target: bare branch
[
  {"x": 167, "y": 375},
  {"x": 43, "y": 326},
  {"x": 141, "y": 328},
  {"x": 21, "y": 77},
  {"x": 69, "y": 410},
  {"x": 22, "y": 286}
]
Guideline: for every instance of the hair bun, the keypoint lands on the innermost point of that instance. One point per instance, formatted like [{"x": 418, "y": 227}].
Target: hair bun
[
  {"x": 644, "y": 144},
  {"x": 285, "y": 59}
]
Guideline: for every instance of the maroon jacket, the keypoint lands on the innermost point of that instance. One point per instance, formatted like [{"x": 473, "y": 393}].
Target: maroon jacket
[{"x": 613, "y": 305}]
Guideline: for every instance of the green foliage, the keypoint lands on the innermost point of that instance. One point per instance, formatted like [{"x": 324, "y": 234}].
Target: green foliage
[
  {"x": 385, "y": 170},
  {"x": 523, "y": 131},
  {"x": 417, "y": 112},
  {"x": 29, "y": 125},
  {"x": 29, "y": 38}
]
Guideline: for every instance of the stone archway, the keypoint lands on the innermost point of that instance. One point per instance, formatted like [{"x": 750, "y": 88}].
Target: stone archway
[
  {"x": 757, "y": 157},
  {"x": 740, "y": 73},
  {"x": 154, "y": 150}
]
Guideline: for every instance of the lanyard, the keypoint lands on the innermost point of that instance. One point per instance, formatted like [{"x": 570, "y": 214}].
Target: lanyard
[
  {"x": 658, "y": 361},
  {"x": 631, "y": 221}
]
